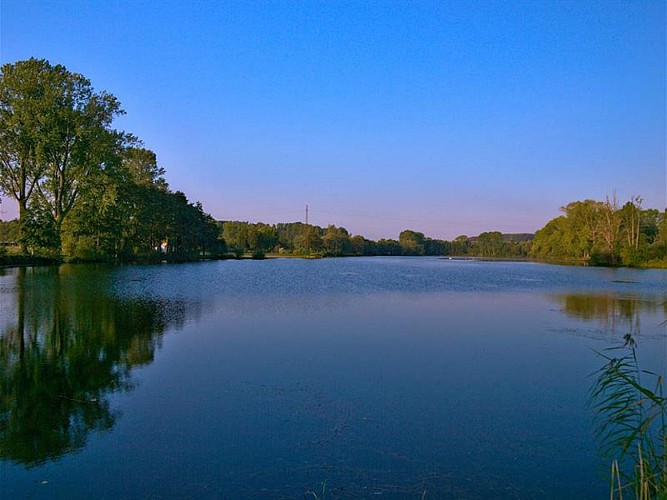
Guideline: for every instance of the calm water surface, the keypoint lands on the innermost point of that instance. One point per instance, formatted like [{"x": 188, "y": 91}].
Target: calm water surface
[{"x": 383, "y": 377}]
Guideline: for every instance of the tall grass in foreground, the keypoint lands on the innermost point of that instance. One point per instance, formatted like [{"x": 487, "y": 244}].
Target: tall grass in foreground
[{"x": 631, "y": 423}]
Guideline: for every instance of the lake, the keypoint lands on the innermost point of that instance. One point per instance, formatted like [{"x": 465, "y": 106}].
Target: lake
[{"x": 365, "y": 377}]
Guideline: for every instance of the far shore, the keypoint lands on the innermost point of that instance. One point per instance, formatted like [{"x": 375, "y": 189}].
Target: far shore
[{"x": 10, "y": 261}]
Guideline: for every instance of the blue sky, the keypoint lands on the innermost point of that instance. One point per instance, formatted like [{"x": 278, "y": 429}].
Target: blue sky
[{"x": 446, "y": 117}]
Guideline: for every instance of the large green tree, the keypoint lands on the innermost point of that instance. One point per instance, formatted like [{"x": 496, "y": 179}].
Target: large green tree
[
  {"x": 24, "y": 104},
  {"x": 77, "y": 144},
  {"x": 336, "y": 241},
  {"x": 412, "y": 242},
  {"x": 490, "y": 244},
  {"x": 582, "y": 226},
  {"x": 609, "y": 228},
  {"x": 56, "y": 138}
]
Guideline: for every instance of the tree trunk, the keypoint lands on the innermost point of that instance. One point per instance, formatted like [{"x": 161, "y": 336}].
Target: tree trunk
[{"x": 23, "y": 211}]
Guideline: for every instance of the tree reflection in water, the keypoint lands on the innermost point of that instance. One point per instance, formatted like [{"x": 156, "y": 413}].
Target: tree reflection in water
[
  {"x": 69, "y": 346},
  {"x": 615, "y": 314},
  {"x": 629, "y": 402}
]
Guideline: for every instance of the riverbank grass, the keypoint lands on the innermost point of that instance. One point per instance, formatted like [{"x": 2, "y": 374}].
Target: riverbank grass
[{"x": 631, "y": 424}]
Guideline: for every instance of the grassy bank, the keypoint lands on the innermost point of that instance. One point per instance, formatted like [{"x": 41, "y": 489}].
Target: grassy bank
[{"x": 655, "y": 264}]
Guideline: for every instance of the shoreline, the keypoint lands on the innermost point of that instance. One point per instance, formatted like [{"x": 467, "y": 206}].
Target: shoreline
[{"x": 11, "y": 261}]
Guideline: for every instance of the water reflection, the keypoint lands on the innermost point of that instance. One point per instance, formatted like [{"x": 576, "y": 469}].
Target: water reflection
[
  {"x": 68, "y": 345},
  {"x": 614, "y": 314},
  {"x": 627, "y": 399}
]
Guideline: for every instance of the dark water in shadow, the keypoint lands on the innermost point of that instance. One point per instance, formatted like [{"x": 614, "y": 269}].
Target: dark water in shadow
[{"x": 383, "y": 378}]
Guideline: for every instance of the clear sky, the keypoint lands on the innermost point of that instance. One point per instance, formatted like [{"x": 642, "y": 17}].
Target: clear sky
[{"x": 446, "y": 117}]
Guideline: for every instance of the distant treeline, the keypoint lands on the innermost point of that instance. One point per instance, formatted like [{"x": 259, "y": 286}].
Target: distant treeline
[
  {"x": 297, "y": 238},
  {"x": 237, "y": 239}
]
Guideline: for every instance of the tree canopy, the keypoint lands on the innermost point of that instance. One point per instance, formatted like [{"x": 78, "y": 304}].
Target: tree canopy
[
  {"x": 85, "y": 190},
  {"x": 602, "y": 232}
]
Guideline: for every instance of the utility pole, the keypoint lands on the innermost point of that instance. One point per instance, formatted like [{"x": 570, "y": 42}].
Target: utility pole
[{"x": 306, "y": 232}]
